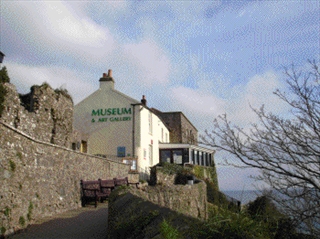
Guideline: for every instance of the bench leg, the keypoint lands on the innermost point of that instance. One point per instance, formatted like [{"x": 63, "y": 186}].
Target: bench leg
[{"x": 83, "y": 202}]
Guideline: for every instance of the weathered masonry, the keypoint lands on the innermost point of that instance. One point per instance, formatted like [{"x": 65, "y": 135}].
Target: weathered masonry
[{"x": 39, "y": 172}]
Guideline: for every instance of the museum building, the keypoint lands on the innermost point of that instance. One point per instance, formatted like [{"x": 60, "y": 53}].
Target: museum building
[{"x": 115, "y": 126}]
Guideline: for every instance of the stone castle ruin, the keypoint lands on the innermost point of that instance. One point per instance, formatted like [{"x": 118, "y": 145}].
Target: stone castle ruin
[
  {"x": 40, "y": 172},
  {"x": 44, "y": 113}
]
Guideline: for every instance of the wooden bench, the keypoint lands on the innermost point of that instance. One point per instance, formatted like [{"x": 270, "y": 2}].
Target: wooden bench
[
  {"x": 91, "y": 191},
  {"x": 123, "y": 182},
  {"x": 106, "y": 186}
]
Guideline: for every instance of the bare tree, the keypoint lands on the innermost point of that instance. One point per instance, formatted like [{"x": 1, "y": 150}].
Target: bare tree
[{"x": 287, "y": 151}]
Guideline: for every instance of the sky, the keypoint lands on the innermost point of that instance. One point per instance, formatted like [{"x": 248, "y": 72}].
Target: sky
[{"x": 204, "y": 58}]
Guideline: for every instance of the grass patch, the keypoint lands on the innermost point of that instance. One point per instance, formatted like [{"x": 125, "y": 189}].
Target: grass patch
[
  {"x": 19, "y": 155},
  {"x": 22, "y": 221},
  {"x": 30, "y": 209},
  {"x": 3, "y": 230},
  {"x": 168, "y": 231},
  {"x": 12, "y": 165},
  {"x": 7, "y": 211}
]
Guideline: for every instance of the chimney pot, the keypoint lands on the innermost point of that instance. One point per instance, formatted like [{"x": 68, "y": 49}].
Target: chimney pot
[
  {"x": 143, "y": 100},
  {"x": 104, "y": 75},
  {"x": 109, "y": 73}
]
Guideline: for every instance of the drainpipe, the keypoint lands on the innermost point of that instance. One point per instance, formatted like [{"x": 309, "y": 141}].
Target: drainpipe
[
  {"x": 133, "y": 128},
  {"x": 133, "y": 131}
]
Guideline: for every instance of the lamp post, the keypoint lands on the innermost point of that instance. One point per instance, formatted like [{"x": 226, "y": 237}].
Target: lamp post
[{"x": 1, "y": 57}]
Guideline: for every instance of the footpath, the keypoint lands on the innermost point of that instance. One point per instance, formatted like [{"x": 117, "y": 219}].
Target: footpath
[{"x": 85, "y": 222}]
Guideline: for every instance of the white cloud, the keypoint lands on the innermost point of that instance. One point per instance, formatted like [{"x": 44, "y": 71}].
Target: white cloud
[
  {"x": 54, "y": 27},
  {"x": 25, "y": 76},
  {"x": 151, "y": 62},
  {"x": 257, "y": 92},
  {"x": 197, "y": 101}
]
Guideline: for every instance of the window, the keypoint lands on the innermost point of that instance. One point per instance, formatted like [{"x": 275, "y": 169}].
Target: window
[
  {"x": 132, "y": 162},
  {"x": 121, "y": 151},
  {"x": 150, "y": 122},
  {"x": 144, "y": 154},
  {"x": 161, "y": 134},
  {"x": 191, "y": 156},
  {"x": 83, "y": 147},
  {"x": 150, "y": 155},
  {"x": 165, "y": 156},
  {"x": 177, "y": 156}
]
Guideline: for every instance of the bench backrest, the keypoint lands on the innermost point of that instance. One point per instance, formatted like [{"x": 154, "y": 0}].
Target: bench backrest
[
  {"x": 108, "y": 183},
  {"x": 89, "y": 187},
  {"x": 121, "y": 181}
]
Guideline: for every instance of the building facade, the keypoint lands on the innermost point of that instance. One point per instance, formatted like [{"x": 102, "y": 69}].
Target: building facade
[
  {"x": 183, "y": 147},
  {"x": 181, "y": 129},
  {"x": 116, "y": 126}
]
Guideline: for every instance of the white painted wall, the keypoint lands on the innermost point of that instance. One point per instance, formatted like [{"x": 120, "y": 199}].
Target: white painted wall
[
  {"x": 105, "y": 137},
  {"x": 149, "y": 139}
]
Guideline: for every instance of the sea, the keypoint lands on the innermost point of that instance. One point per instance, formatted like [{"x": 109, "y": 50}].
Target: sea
[{"x": 244, "y": 196}]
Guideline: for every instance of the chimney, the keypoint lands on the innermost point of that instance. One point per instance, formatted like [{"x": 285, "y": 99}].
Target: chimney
[
  {"x": 107, "y": 82},
  {"x": 143, "y": 100}
]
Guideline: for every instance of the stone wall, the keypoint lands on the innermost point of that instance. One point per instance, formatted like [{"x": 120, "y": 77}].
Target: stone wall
[
  {"x": 40, "y": 179},
  {"x": 190, "y": 200},
  {"x": 44, "y": 113},
  {"x": 201, "y": 172},
  {"x": 131, "y": 216}
]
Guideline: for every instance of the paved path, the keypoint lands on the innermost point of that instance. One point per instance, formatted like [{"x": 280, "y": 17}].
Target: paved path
[{"x": 88, "y": 222}]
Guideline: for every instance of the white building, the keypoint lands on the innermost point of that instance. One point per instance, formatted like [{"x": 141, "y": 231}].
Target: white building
[{"x": 114, "y": 125}]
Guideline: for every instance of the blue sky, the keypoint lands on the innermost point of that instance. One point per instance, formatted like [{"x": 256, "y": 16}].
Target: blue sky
[{"x": 203, "y": 58}]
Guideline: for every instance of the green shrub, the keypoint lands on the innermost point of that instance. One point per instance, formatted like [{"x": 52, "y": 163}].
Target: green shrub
[
  {"x": 168, "y": 231},
  {"x": 170, "y": 168},
  {"x": 63, "y": 92},
  {"x": 12, "y": 165},
  {"x": 19, "y": 155},
  {"x": 3, "y": 230},
  {"x": 7, "y": 211},
  {"x": 223, "y": 223},
  {"x": 4, "y": 77},
  {"x": 3, "y": 93},
  {"x": 142, "y": 181},
  {"x": 30, "y": 208},
  {"x": 262, "y": 209},
  {"x": 198, "y": 171},
  {"x": 22, "y": 221}
]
